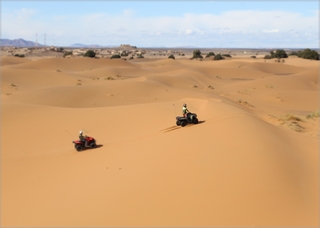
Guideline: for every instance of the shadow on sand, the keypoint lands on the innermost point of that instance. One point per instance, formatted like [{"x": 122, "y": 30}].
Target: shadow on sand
[
  {"x": 98, "y": 146},
  {"x": 89, "y": 149},
  {"x": 191, "y": 124}
]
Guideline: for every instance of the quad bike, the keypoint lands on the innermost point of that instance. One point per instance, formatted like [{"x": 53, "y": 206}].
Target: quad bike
[
  {"x": 80, "y": 145},
  {"x": 190, "y": 119}
]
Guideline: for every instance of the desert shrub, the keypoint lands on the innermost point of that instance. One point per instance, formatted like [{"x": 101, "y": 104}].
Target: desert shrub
[
  {"x": 279, "y": 53},
  {"x": 292, "y": 122},
  {"x": 131, "y": 57},
  {"x": 171, "y": 56},
  {"x": 293, "y": 53},
  {"x": 182, "y": 54},
  {"x": 267, "y": 57},
  {"x": 67, "y": 53},
  {"x": 218, "y": 57},
  {"x": 115, "y": 57},
  {"x": 313, "y": 115},
  {"x": 308, "y": 54},
  {"x": 19, "y": 55},
  {"x": 197, "y": 54},
  {"x": 210, "y": 54},
  {"x": 253, "y": 57},
  {"x": 227, "y": 55},
  {"x": 124, "y": 54},
  {"x": 90, "y": 53},
  {"x": 140, "y": 56},
  {"x": 290, "y": 117}
]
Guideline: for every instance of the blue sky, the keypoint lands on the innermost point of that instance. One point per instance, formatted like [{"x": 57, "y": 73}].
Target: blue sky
[{"x": 250, "y": 24}]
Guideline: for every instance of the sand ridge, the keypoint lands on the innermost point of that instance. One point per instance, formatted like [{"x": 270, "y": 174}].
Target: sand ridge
[{"x": 251, "y": 161}]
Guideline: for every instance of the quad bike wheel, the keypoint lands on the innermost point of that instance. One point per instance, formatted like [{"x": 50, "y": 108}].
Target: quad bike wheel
[
  {"x": 93, "y": 145},
  {"x": 78, "y": 147},
  {"x": 195, "y": 121},
  {"x": 178, "y": 123},
  {"x": 183, "y": 123}
]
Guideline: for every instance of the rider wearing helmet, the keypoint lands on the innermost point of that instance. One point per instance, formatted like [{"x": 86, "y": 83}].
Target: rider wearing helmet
[
  {"x": 185, "y": 110},
  {"x": 83, "y": 139}
]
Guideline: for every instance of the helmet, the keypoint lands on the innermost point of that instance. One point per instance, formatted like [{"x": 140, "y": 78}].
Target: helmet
[
  {"x": 80, "y": 132},
  {"x": 184, "y": 105}
]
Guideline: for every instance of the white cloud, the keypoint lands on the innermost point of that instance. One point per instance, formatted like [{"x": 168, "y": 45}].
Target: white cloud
[
  {"x": 229, "y": 27},
  {"x": 24, "y": 14},
  {"x": 271, "y": 30},
  {"x": 128, "y": 12},
  {"x": 189, "y": 31}
]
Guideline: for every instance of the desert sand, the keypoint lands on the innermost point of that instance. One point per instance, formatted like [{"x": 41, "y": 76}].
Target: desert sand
[{"x": 251, "y": 161}]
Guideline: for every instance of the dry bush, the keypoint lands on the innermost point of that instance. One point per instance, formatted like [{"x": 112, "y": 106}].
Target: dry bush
[
  {"x": 313, "y": 115},
  {"x": 245, "y": 103},
  {"x": 290, "y": 117},
  {"x": 292, "y": 122},
  {"x": 295, "y": 126}
]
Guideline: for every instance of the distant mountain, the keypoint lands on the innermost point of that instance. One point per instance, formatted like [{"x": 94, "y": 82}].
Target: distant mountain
[
  {"x": 18, "y": 43},
  {"x": 25, "y": 43},
  {"x": 79, "y": 45},
  {"x": 156, "y": 47}
]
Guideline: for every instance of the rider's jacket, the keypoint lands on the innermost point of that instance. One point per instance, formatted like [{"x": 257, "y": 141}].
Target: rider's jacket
[
  {"x": 184, "y": 110},
  {"x": 82, "y": 138}
]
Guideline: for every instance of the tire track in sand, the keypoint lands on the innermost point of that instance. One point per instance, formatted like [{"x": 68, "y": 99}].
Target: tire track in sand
[{"x": 172, "y": 128}]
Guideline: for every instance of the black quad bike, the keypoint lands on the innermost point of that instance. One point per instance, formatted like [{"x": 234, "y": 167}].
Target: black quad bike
[
  {"x": 80, "y": 145},
  {"x": 190, "y": 119}
]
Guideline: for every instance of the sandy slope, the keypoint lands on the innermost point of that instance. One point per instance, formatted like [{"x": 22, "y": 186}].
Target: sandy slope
[{"x": 244, "y": 164}]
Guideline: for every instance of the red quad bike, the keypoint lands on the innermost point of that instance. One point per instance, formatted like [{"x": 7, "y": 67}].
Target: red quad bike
[{"x": 80, "y": 145}]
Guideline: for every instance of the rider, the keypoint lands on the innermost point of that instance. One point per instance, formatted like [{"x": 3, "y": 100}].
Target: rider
[
  {"x": 83, "y": 139},
  {"x": 185, "y": 110}
]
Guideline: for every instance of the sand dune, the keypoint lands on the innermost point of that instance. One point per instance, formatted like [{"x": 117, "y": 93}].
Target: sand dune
[
  {"x": 5, "y": 60},
  {"x": 74, "y": 64},
  {"x": 274, "y": 68},
  {"x": 251, "y": 161}
]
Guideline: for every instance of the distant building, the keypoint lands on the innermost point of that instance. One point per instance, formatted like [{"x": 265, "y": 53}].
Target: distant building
[{"x": 127, "y": 46}]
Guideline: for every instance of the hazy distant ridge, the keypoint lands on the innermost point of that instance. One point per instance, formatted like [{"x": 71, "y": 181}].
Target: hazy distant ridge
[
  {"x": 18, "y": 43},
  {"x": 79, "y": 45},
  {"x": 25, "y": 43}
]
